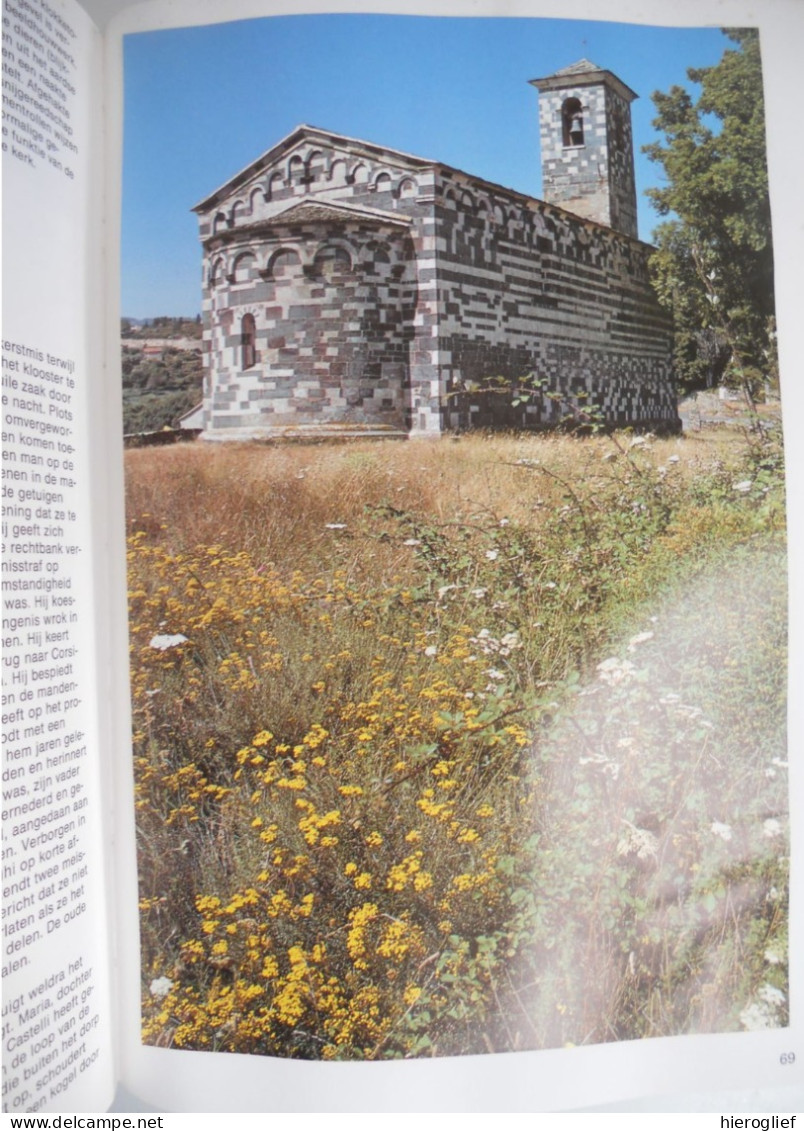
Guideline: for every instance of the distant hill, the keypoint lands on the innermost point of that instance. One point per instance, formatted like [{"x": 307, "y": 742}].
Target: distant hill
[
  {"x": 160, "y": 382},
  {"x": 161, "y": 327}
]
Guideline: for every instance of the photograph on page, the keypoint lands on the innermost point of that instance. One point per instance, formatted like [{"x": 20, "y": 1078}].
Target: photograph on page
[{"x": 456, "y": 536}]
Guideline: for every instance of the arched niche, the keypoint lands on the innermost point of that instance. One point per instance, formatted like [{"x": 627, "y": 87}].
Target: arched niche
[
  {"x": 217, "y": 272},
  {"x": 337, "y": 173},
  {"x": 244, "y": 267},
  {"x": 276, "y": 182},
  {"x": 296, "y": 173},
  {"x": 331, "y": 261},
  {"x": 315, "y": 166},
  {"x": 382, "y": 182},
  {"x": 572, "y": 124},
  {"x": 284, "y": 264},
  {"x": 377, "y": 260}
]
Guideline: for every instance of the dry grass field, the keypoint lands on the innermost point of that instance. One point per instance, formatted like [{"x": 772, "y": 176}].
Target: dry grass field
[{"x": 459, "y": 746}]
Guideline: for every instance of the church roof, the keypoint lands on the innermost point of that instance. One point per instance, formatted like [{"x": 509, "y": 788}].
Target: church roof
[
  {"x": 579, "y": 68},
  {"x": 583, "y": 73},
  {"x": 305, "y": 210},
  {"x": 312, "y": 210}
]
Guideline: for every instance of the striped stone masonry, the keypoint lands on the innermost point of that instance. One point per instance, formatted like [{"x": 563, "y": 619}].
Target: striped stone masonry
[{"x": 351, "y": 289}]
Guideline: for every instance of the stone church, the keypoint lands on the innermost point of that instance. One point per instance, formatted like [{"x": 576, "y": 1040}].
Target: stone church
[{"x": 350, "y": 289}]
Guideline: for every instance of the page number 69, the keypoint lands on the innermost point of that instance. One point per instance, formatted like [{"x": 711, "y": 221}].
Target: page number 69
[{"x": 787, "y": 1058}]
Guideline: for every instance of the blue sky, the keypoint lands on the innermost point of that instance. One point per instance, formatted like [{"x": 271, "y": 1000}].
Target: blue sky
[{"x": 201, "y": 103}]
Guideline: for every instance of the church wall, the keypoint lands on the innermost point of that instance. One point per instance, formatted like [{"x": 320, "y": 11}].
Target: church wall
[
  {"x": 344, "y": 313},
  {"x": 528, "y": 289},
  {"x": 332, "y": 324}
]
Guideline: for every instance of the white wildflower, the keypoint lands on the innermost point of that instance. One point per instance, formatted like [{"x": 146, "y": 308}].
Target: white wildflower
[
  {"x": 411, "y": 542},
  {"x": 495, "y": 673},
  {"x": 614, "y": 671},
  {"x": 757, "y": 1016},
  {"x": 721, "y": 830},
  {"x": 160, "y": 987},
  {"x": 771, "y": 828},
  {"x": 673, "y": 459},
  {"x": 771, "y": 995},
  {"x": 492, "y": 555},
  {"x": 431, "y": 650},
  {"x": 478, "y": 593},
  {"x": 637, "y": 842},
  {"x": 772, "y": 957},
  {"x": 505, "y": 522},
  {"x": 162, "y": 643},
  {"x": 640, "y": 638}
]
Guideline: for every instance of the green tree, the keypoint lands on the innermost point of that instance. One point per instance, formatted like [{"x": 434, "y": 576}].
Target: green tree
[{"x": 713, "y": 265}]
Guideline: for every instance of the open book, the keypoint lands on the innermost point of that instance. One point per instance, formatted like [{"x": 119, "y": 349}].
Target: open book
[{"x": 423, "y": 771}]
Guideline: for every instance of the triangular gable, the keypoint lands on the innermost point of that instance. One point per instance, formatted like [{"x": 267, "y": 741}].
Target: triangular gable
[{"x": 353, "y": 147}]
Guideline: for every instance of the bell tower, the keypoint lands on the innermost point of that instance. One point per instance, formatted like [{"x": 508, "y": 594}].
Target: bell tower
[{"x": 587, "y": 146}]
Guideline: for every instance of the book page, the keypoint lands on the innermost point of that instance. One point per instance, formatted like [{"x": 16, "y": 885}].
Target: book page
[
  {"x": 57, "y": 1051},
  {"x": 390, "y": 808}
]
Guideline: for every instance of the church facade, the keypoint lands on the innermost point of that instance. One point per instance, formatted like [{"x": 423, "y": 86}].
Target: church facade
[{"x": 350, "y": 289}]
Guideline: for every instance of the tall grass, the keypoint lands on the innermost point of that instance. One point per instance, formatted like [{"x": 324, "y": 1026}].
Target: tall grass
[{"x": 459, "y": 746}]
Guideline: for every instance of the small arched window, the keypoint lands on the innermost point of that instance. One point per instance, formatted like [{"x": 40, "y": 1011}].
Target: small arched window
[
  {"x": 248, "y": 341},
  {"x": 572, "y": 122}
]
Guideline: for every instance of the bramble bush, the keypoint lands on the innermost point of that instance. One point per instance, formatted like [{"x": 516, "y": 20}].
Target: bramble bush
[{"x": 459, "y": 747}]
